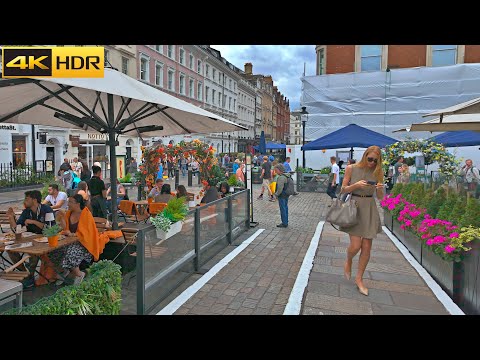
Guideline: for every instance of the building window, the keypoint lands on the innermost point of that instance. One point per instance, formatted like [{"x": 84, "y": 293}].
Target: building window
[
  {"x": 224, "y": 101},
  {"x": 230, "y": 84},
  {"x": 159, "y": 48},
  {"x": 107, "y": 57},
  {"x": 219, "y": 99},
  {"x": 443, "y": 55},
  {"x": 171, "y": 80},
  {"x": 199, "y": 66},
  {"x": 191, "y": 88},
  {"x": 229, "y": 103},
  {"x": 207, "y": 70},
  {"x": 220, "y": 77},
  {"x": 191, "y": 62},
  {"x": 234, "y": 104},
  {"x": 144, "y": 65},
  {"x": 124, "y": 65},
  {"x": 321, "y": 61},
  {"x": 182, "y": 84},
  {"x": 213, "y": 96},
  {"x": 19, "y": 146},
  {"x": 214, "y": 72},
  {"x": 206, "y": 93},
  {"x": 371, "y": 57},
  {"x": 199, "y": 91},
  {"x": 182, "y": 57},
  {"x": 170, "y": 52},
  {"x": 159, "y": 75}
]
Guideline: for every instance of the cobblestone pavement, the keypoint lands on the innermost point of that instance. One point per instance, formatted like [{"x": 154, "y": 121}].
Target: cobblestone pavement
[{"x": 260, "y": 279}]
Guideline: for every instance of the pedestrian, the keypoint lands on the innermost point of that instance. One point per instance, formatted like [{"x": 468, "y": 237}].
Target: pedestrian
[
  {"x": 77, "y": 166},
  {"x": 132, "y": 167},
  {"x": 85, "y": 174},
  {"x": 404, "y": 177},
  {"x": 98, "y": 193},
  {"x": 470, "y": 175},
  {"x": 286, "y": 165},
  {"x": 280, "y": 193},
  {"x": 170, "y": 173},
  {"x": 397, "y": 165},
  {"x": 266, "y": 175},
  {"x": 334, "y": 179},
  {"x": 160, "y": 170},
  {"x": 362, "y": 180}
]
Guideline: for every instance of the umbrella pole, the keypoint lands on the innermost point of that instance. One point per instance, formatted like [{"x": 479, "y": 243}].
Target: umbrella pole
[
  {"x": 351, "y": 152},
  {"x": 113, "y": 162}
]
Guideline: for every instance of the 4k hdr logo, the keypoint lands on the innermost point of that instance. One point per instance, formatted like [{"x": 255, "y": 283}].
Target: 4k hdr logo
[{"x": 58, "y": 62}]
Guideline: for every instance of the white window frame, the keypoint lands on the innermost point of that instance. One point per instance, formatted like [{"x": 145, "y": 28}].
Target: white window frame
[
  {"x": 158, "y": 48},
  {"x": 358, "y": 58},
  {"x": 192, "y": 61},
  {"x": 207, "y": 71},
  {"x": 147, "y": 71},
  {"x": 182, "y": 62},
  {"x": 125, "y": 70},
  {"x": 322, "y": 66},
  {"x": 171, "y": 71},
  {"x": 460, "y": 59},
  {"x": 199, "y": 91},
  {"x": 199, "y": 66},
  {"x": 230, "y": 84},
  {"x": 191, "y": 87},
  {"x": 160, "y": 78},
  {"x": 180, "y": 77},
  {"x": 214, "y": 72},
  {"x": 173, "y": 51},
  {"x": 213, "y": 96}
]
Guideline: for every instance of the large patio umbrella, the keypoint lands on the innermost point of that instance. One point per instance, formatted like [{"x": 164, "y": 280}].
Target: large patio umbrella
[
  {"x": 457, "y": 138},
  {"x": 262, "y": 147},
  {"x": 350, "y": 136},
  {"x": 115, "y": 104},
  {"x": 457, "y": 122}
]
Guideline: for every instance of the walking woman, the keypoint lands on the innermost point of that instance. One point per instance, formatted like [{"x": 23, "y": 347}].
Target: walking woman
[{"x": 356, "y": 179}]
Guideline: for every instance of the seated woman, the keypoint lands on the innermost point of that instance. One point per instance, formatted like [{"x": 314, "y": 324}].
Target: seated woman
[
  {"x": 165, "y": 194},
  {"x": 224, "y": 189},
  {"x": 83, "y": 191},
  {"x": 78, "y": 221},
  {"x": 182, "y": 192}
]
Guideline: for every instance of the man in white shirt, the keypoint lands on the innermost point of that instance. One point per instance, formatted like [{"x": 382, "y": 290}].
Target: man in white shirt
[
  {"x": 57, "y": 199},
  {"x": 77, "y": 166},
  {"x": 334, "y": 179}
]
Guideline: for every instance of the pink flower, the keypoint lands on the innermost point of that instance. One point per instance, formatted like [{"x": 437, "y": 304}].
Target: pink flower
[
  {"x": 454, "y": 235},
  {"x": 424, "y": 236},
  {"x": 454, "y": 227},
  {"x": 391, "y": 207},
  {"x": 402, "y": 227},
  {"x": 430, "y": 242},
  {"x": 439, "y": 239},
  {"x": 449, "y": 249},
  {"x": 408, "y": 222}
]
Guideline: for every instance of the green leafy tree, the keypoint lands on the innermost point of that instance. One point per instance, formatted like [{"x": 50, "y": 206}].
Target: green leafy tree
[{"x": 472, "y": 214}]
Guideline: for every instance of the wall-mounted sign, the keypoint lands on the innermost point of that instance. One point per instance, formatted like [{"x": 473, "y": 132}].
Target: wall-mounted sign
[
  {"x": 75, "y": 141},
  {"x": 7, "y": 127},
  {"x": 96, "y": 137}
]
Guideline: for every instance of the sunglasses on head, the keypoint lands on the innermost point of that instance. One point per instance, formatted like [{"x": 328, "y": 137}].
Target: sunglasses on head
[{"x": 370, "y": 159}]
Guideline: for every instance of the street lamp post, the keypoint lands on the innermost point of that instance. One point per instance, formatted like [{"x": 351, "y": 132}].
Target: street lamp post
[{"x": 304, "y": 117}]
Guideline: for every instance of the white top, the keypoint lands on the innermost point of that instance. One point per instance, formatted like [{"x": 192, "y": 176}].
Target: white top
[
  {"x": 60, "y": 196},
  {"x": 336, "y": 170}
]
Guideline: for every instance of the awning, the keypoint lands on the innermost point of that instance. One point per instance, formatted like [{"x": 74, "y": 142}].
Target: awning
[{"x": 458, "y": 122}]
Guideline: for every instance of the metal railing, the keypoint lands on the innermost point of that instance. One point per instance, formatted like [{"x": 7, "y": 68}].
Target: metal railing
[
  {"x": 162, "y": 265},
  {"x": 18, "y": 176}
]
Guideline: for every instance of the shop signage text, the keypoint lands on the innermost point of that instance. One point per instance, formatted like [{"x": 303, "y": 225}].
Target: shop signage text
[
  {"x": 96, "y": 137},
  {"x": 7, "y": 127}
]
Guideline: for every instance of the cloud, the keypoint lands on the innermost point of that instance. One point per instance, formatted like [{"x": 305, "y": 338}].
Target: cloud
[{"x": 284, "y": 62}]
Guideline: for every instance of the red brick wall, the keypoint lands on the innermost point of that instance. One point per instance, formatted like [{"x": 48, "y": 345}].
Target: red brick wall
[
  {"x": 405, "y": 56},
  {"x": 472, "y": 54},
  {"x": 340, "y": 59}
]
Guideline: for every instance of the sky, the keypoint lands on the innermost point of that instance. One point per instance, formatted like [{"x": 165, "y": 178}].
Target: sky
[{"x": 284, "y": 62}]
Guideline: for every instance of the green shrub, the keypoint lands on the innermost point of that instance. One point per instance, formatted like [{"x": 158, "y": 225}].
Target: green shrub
[
  {"x": 232, "y": 180},
  {"x": 407, "y": 191},
  {"x": 126, "y": 179},
  {"x": 458, "y": 211},
  {"x": 99, "y": 294},
  {"x": 436, "y": 202},
  {"x": 176, "y": 209},
  {"x": 397, "y": 189},
  {"x": 47, "y": 182},
  {"x": 471, "y": 215},
  {"x": 448, "y": 205},
  {"x": 417, "y": 195}
]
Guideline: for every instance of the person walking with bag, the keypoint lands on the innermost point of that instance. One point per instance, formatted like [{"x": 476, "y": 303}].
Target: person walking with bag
[
  {"x": 362, "y": 180},
  {"x": 282, "y": 192}
]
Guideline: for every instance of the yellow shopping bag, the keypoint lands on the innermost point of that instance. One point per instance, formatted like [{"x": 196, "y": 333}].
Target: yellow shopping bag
[{"x": 273, "y": 186}]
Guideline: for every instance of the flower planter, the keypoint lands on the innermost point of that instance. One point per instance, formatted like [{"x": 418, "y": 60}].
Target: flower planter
[
  {"x": 414, "y": 245},
  {"x": 237, "y": 189},
  {"x": 175, "y": 228},
  {"x": 448, "y": 274},
  {"x": 388, "y": 219},
  {"x": 53, "y": 241},
  {"x": 399, "y": 233}
]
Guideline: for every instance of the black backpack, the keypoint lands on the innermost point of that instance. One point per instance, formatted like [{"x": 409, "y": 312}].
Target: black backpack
[{"x": 289, "y": 188}]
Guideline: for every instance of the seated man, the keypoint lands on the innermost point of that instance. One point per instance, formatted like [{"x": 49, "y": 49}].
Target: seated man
[
  {"x": 157, "y": 189},
  {"x": 211, "y": 193},
  {"x": 56, "y": 199},
  {"x": 34, "y": 218}
]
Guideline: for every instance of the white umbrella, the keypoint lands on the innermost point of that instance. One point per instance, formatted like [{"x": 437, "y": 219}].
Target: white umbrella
[
  {"x": 467, "y": 107},
  {"x": 113, "y": 105},
  {"x": 448, "y": 123}
]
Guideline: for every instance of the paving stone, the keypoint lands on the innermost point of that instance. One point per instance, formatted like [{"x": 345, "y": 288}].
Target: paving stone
[
  {"x": 335, "y": 303},
  {"x": 261, "y": 311},
  {"x": 225, "y": 299},
  {"x": 250, "y": 303},
  {"x": 282, "y": 299},
  {"x": 326, "y": 277},
  {"x": 207, "y": 301},
  {"x": 257, "y": 293},
  {"x": 235, "y": 305},
  {"x": 277, "y": 310},
  {"x": 218, "y": 309},
  {"x": 325, "y": 288},
  {"x": 402, "y": 279},
  {"x": 315, "y": 311},
  {"x": 389, "y": 286},
  {"x": 230, "y": 292},
  {"x": 244, "y": 311},
  {"x": 381, "y": 309},
  {"x": 229, "y": 312},
  {"x": 419, "y": 302},
  {"x": 374, "y": 295}
]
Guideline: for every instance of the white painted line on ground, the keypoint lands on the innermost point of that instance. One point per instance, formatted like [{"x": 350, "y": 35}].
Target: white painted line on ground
[
  {"x": 197, "y": 285},
  {"x": 441, "y": 295},
  {"x": 294, "y": 304}
]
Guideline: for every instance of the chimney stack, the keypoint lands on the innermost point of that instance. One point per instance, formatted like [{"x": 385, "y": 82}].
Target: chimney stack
[{"x": 248, "y": 68}]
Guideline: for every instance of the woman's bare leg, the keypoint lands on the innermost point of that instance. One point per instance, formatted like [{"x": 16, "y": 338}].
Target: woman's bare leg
[{"x": 353, "y": 249}]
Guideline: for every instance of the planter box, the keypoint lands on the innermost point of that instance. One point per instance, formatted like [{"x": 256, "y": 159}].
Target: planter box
[
  {"x": 388, "y": 219},
  {"x": 414, "y": 245},
  {"x": 448, "y": 274},
  {"x": 175, "y": 228},
  {"x": 399, "y": 233}
]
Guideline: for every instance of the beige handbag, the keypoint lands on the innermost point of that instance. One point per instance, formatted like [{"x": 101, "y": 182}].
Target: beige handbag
[{"x": 343, "y": 213}]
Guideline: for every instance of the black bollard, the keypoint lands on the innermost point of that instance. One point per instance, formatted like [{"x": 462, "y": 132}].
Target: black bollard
[
  {"x": 189, "y": 178},
  {"x": 177, "y": 178}
]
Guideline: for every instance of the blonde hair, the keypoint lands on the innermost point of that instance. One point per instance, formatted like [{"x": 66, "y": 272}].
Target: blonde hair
[
  {"x": 378, "y": 172},
  {"x": 405, "y": 168}
]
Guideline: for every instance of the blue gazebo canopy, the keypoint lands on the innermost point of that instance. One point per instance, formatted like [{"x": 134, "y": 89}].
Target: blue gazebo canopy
[
  {"x": 350, "y": 136},
  {"x": 457, "y": 138},
  {"x": 273, "y": 146}
]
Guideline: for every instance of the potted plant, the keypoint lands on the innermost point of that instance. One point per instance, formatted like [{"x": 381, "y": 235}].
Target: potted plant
[
  {"x": 169, "y": 222},
  {"x": 232, "y": 182},
  {"x": 52, "y": 233}
]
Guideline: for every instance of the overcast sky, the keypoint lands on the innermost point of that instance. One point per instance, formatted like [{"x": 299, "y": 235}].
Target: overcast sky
[{"x": 283, "y": 62}]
